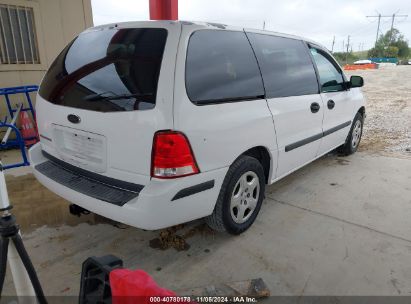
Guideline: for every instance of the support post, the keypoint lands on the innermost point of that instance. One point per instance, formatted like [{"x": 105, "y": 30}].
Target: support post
[
  {"x": 163, "y": 9},
  {"x": 378, "y": 30},
  {"x": 21, "y": 280}
]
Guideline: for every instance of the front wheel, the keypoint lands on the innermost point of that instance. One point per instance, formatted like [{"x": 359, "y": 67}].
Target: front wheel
[
  {"x": 354, "y": 137},
  {"x": 240, "y": 197}
]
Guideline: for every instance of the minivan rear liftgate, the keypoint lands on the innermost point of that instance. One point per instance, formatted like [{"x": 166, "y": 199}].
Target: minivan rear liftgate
[{"x": 94, "y": 100}]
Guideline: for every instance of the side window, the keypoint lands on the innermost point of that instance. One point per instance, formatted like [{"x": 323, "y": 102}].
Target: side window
[
  {"x": 221, "y": 66},
  {"x": 285, "y": 64},
  {"x": 331, "y": 79}
]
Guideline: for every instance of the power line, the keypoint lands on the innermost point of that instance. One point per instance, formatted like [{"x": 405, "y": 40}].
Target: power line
[{"x": 379, "y": 16}]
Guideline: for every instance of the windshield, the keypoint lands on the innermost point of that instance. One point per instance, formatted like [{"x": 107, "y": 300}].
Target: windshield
[{"x": 107, "y": 70}]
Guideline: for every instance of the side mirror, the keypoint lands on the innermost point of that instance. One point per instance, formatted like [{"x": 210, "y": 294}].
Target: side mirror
[{"x": 356, "y": 82}]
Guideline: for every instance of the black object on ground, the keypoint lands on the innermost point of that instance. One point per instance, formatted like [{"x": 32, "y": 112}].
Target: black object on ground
[{"x": 95, "y": 282}]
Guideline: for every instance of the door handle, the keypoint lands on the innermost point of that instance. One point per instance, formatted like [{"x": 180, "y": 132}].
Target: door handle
[
  {"x": 331, "y": 104},
  {"x": 315, "y": 107}
]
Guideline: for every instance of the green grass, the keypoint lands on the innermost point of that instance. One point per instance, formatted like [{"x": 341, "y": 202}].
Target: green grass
[{"x": 361, "y": 54}]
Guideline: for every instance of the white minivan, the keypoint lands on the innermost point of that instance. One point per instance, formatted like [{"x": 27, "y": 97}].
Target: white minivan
[{"x": 153, "y": 124}]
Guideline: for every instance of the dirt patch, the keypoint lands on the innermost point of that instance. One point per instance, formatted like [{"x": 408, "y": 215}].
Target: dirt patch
[
  {"x": 168, "y": 238},
  {"x": 61, "y": 238},
  {"x": 342, "y": 161},
  {"x": 387, "y": 128},
  {"x": 36, "y": 206}
]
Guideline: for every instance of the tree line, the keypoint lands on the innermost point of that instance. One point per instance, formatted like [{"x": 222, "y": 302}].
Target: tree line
[{"x": 392, "y": 44}]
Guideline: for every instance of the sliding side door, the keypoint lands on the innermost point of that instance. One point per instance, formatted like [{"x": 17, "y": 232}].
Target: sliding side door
[{"x": 293, "y": 97}]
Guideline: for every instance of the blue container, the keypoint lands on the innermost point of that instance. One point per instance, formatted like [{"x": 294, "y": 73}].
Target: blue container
[{"x": 384, "y": 59}]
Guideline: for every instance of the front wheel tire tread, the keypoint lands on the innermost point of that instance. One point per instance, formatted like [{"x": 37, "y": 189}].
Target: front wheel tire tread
[
  {"x": 220, "y": 219},
  {"x": 347, "y": 148}
]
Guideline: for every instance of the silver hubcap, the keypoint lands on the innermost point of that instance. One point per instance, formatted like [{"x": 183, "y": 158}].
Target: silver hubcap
[
  {"x": 245, "y": 197},
  {"x": 356, "y": 134}
]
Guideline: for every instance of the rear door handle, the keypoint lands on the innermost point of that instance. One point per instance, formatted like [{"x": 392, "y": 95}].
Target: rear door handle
[
  {"x": 331, "y": 104},
  {"x": 315, "y": 107}
]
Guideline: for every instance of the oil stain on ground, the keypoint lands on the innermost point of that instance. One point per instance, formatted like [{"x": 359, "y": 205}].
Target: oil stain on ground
[{"x": 168, "y": 238}]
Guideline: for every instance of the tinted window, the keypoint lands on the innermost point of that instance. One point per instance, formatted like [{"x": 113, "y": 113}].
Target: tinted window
[
  {"x": 285, "y": 64},
  {"x": 221, "y": 66},
  {"x": 107, "y": 70},
  {"x": 331, "y": 79}
]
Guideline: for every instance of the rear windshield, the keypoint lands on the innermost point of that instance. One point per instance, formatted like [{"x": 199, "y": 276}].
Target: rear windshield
[{"x": 107, "y": 70}]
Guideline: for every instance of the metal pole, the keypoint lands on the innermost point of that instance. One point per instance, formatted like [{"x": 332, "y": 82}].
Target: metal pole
[
  {"x": 163, "y": 9},
  {"x": 392, "y": 26},
  {"x": 4, "y": 195},
  {"x": 378, "y": 29},
  {"x": 6, "y": 136},
  {"x": 348, "y": 45},
  {"x": 21, "y": 280}
]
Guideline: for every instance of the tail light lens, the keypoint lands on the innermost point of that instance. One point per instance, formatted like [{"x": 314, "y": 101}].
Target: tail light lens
[{"x": 172, "y": 156}]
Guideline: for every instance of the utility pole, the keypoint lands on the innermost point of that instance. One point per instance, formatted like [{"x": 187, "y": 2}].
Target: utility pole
[
  {"x": 332, "y": 47},
  {"x": 378, "y": 29},
  {"x": 378, "y": 26},
  {"x": 343, "y": 46},
  {"x": 392, "y": 23},
  {"x": 379, "y": 16},
  {"x": 348, "y": 45}
]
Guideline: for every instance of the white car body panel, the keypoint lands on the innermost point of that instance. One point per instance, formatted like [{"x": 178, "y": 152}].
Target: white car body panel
[
  {"x": 220, "y": 133},
  {"x": 294, "y": 122},
  {"x": 120, "y": 143},
  {"x": 154, "y": 208},
  {"x": 346, "y": 106}
]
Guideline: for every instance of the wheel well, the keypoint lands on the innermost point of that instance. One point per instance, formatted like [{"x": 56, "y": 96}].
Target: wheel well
[
  {"x": 362, "y": 111},
  {"x": 262, "y": 155}
]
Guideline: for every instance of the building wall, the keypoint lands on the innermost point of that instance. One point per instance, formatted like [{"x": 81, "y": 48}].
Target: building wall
[{"x": 57, "y": 23}]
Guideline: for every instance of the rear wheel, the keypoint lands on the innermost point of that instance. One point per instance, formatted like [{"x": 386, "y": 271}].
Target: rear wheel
[
  {"x": 354, "y": 137},
  {"x": 240, "y": 197}
]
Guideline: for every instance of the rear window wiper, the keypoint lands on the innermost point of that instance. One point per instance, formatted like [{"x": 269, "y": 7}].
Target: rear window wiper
[{"x": 102, "y": 96}]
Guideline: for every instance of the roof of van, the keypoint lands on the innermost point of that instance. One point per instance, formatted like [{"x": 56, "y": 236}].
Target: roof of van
[{"x": 201, "y": 24}]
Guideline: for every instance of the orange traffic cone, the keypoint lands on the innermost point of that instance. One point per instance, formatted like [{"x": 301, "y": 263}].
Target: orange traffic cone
[{"x": 28, "y": 130}]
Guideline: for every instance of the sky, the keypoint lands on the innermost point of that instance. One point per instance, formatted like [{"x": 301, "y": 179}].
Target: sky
[{"x": 319, "y": 20}]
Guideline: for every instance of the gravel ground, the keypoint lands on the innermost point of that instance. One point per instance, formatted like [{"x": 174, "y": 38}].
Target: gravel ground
[{"x": 388, "y": 123}]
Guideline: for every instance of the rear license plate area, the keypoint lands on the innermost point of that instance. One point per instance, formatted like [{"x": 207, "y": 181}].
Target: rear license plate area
[{"x": 80, "y": 148}]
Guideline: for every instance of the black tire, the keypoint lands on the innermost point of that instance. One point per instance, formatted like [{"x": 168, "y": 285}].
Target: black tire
[
  {"x": 349, "y": 147},
  {"x": 222, "y": 219}
]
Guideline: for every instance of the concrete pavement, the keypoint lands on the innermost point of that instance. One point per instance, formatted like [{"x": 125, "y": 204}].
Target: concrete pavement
[{"x": 339, "y": 226}]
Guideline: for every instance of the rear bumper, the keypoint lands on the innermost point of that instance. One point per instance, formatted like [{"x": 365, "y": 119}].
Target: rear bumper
[{"x": 160, "y": 204}]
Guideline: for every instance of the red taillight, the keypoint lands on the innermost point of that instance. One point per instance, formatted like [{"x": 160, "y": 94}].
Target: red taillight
[{"x": 172, "y": 156}]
